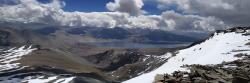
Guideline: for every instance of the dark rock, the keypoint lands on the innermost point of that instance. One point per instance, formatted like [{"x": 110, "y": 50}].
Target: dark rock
[
  {"x": 76, "y": 31},
  {"x": 212, "y": 73},
  {"x": 4, "y": 41},
  {"x": 111, "y": 60},
  {"x": 46, "y": 30}
]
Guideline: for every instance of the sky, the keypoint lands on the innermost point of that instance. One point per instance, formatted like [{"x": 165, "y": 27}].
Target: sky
[
  {"x": 182, "y": 16},
  {"x": 86, "y": 5},
  {"x": 99, "y": 6}
]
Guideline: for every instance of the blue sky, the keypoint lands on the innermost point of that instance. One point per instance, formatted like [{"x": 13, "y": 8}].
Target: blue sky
[
  {"x": 100, "y": 6},
  {"x": 86, "y": 5}
]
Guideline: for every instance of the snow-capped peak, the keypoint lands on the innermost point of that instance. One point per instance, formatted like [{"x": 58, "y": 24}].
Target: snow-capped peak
[{"x": 221, "y": 46}]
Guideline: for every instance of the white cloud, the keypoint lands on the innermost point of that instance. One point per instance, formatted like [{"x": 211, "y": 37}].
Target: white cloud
[
  {"x": 166, "y": 4},
  {"x": 232, "y": 12},
  {"x": 52, "y": 14},
  {"x": 145, "y": 21},
  {"x": 132, "y": 7},
  {"x": 176, "y": 21}
]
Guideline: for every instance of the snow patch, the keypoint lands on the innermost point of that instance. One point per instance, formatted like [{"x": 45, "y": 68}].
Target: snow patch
[
  {"x": 8, "y": 57},
  {"x": 40, "y": 79},
  {"x": 162, "y": 57},
  {"x": 8, "y": 64},
  {"x": 54, "y": 79}
]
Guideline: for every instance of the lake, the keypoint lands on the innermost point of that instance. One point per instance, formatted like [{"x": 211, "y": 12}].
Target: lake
[{"x": 138, "y": 45}]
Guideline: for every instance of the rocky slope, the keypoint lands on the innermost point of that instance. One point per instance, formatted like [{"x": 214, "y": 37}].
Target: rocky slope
[
  {"x": 30, "y": 64},
  {"x": 227, "y": 72},
  {"x": 51, "y": 55},
  {"x": 222, "y": 46}
]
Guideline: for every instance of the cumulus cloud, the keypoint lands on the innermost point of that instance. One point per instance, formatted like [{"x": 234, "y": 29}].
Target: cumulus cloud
[
  {"x": 232, "y": 12},
  {"x": 133, "y": 7},
  {"x": 32, "y": 11},
  {"x": 176, "y": 21}
]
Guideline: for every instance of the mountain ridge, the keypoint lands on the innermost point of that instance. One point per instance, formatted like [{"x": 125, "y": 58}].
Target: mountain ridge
[{"x": 232, "y": 40}]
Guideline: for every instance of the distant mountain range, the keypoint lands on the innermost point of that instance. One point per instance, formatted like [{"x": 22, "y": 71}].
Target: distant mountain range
[
  {"x": 138, "y": 35},
  {"x": 130, "y": 35}
]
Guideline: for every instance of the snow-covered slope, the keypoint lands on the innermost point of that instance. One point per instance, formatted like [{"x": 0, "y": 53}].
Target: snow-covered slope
[
  {"x": 8, "y": 64},
  {"x": 218, "y": 48},
  {"x": 8, "y": 57},
  {"x": 41, "y": 79}
]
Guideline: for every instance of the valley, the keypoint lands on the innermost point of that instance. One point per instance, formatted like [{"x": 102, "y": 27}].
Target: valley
[{"x": 56, "y": 50}]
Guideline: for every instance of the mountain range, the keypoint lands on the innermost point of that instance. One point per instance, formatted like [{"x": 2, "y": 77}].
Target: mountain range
[{"x": 63, "y": 54}]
